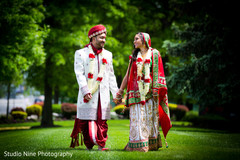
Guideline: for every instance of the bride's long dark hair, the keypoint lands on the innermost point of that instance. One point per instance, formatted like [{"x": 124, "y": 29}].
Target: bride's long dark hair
[{"x": 136, "y": 50}]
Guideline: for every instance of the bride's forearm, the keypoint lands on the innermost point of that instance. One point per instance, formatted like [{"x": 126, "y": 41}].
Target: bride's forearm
[
  {"x": 124, "y": 84},
  {"x": 124, "y": 81}
]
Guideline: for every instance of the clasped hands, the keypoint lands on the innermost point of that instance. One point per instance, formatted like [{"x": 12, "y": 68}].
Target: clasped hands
[{"x": 118, "y": 98}]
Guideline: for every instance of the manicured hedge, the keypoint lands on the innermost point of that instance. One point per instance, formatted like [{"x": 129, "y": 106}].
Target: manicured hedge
[
  {"x": 69, "y": 110},
  {"x": 34, "y": 109}
]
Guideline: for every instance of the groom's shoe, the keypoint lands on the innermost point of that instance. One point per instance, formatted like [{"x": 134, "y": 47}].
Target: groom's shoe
[
  {"x": 105, "y": 149},
  {"x": 102, "y": 148}
]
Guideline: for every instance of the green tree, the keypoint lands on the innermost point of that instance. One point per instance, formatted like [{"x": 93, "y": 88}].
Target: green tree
[
  {"x": 70, "y": 22},
  {"x": 21, "y": 42},
  {"x": 203, "y": 59}
]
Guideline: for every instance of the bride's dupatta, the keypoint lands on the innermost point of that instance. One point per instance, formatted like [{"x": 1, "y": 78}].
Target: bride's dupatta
[{"x": 159, "y": 84}]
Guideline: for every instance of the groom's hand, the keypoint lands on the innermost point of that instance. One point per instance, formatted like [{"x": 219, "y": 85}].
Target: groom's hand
[
  {"x": 88, "y": 96},
  {"x": 117, "y": 101}
]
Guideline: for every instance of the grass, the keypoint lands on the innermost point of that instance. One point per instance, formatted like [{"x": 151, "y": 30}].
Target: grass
[{"x": 184, "y": 143}]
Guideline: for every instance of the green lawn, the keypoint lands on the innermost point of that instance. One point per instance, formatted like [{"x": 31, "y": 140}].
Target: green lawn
[{"x": 184, "y": 143}]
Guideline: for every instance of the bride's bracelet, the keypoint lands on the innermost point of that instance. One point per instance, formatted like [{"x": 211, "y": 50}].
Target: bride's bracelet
[
  {"x": 118, "y": 98},
  {"x": 119, "y": 94},
  {"x": 121, "y": 91}
]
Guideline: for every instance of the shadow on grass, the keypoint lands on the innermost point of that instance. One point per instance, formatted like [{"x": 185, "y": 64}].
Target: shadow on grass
[
  {"x": 37, "y": 127},
  {"x": 65, "y": 149},
  {"x": 84, "y": 149},
  {"x": 197, "y": 129},
  {"x": 18, "y": 128}
]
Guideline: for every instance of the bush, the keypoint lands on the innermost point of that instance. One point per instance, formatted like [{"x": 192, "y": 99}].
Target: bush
[
  {"x": 40, "y": 103},
  {"x": 56, "y": 108},
  {"x": 190, "y": 116},
  {"x": 208, "y": 121},
  {"x": 19, "y": 115},
  {"x": 177, "y": 113},
  {"x": 69, "y": 110},
  {"x": 34, "y": 110},
  {"x": 17, "y": 109},
  {"x": 172, "y": 105},
  {"x": 119, "y": 108},
  {"x": 3, "y": 119}
]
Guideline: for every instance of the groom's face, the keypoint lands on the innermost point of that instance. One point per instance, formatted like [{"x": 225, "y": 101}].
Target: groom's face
[{"x": 99, "y": 40}]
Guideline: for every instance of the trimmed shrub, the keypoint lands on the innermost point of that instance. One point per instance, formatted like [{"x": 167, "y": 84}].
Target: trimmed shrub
[
  {"x": 69, "y": 110},
  {"x": 56, "y": 108},
  {"x": 19, "y": 115},
  {"x": 119, "y": 108},
  {"x": 17, "y": 109},
  {"x": 3, "y": 119},
  {"x": 40, "y": 103},
  {"x": 177, "y": 113},
  {"x": 34, "y": 110},
  {"x": 172, "y": 105}
]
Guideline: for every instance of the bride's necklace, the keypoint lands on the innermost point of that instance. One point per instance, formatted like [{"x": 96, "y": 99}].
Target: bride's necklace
[{"x": 143, "y": 82}]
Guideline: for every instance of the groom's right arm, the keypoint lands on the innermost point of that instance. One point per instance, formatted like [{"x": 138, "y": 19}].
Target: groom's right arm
[{"x": 80, "y": 71}]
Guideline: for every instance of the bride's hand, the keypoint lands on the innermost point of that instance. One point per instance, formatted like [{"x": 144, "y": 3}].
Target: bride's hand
[{"x": 118, "y": 98}]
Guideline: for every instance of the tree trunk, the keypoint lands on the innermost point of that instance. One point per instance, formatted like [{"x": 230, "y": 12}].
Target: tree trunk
[
  {"x": 8, "y": 97},
  {"x": 47, "y": 120},
  {"x": 56, "y": 95}
]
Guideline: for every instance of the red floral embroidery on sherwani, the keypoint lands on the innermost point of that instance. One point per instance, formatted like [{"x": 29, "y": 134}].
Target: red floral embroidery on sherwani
[
  {"x": 91, "y": 55},
  {"x": 90, "y": 75},
  {"x": 99, "y": 79},
  {"x": 104, "y": 61}
]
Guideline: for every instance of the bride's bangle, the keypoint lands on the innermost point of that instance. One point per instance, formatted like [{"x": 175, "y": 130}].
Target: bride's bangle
[
  {"x": 120, "y": 91},
  {"x": 119, "y": 94},
  {"x": 118, "y": 98}
]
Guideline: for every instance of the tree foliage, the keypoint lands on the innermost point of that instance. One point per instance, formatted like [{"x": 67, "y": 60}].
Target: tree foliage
[
  {"x": 203, "y": 60},
  {"x": 22, "y": 36},
  {"x": 70, "y": 22},
  {"x": 21, "y": 42}
]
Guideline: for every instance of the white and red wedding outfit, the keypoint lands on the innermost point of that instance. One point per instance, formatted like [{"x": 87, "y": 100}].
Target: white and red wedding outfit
[{"x": 92, "y": 115}]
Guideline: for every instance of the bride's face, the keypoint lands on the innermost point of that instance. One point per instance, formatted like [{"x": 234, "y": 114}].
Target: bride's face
[{"x": 137, "y": 41}]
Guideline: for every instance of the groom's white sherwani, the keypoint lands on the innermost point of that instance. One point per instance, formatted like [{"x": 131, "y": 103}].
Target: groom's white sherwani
[{"x": 88, "y": 111}]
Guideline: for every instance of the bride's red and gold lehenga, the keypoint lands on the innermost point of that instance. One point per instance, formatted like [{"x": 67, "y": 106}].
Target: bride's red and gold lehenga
[{"x": 145, "y": 112}]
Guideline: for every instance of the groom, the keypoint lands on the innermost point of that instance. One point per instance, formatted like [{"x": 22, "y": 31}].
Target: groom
[{"x": 95, "y": 75}]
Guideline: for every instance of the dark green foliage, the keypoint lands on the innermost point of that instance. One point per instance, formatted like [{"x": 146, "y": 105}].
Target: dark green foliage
[
  {"x": 177, "y": 114},
  {"x": 21, "y": 42},
  {"x": 56, "y": 108},
  {"x": 204, "y": 56},
  {"x": 201, "y": 59}
]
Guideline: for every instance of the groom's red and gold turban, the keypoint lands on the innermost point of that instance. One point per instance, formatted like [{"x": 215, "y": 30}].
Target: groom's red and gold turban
[{"x": 96, "y": 30}]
